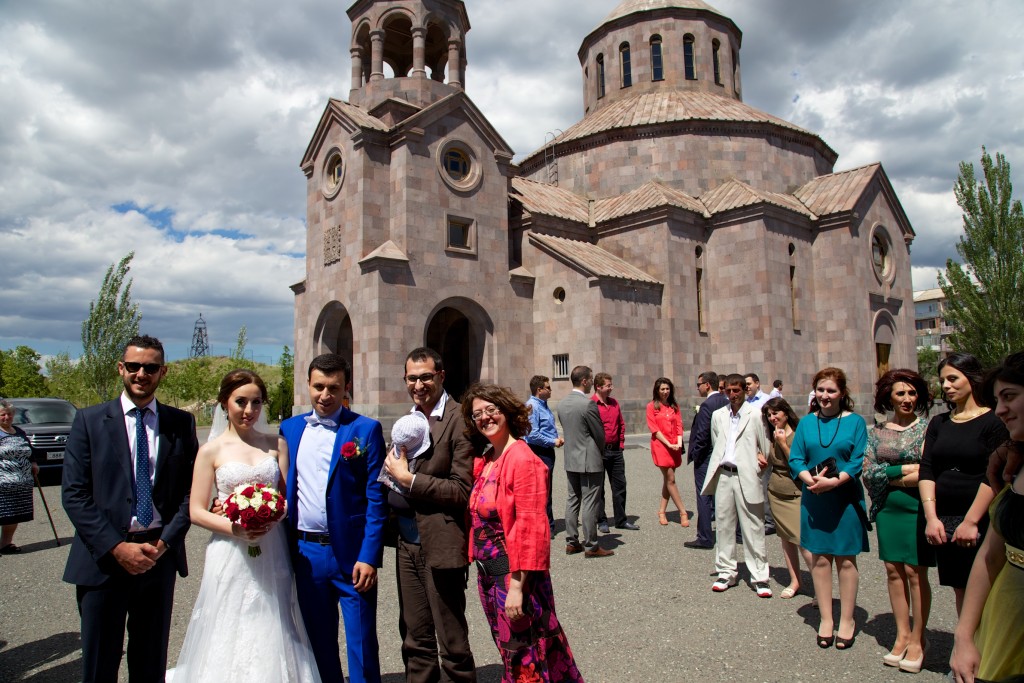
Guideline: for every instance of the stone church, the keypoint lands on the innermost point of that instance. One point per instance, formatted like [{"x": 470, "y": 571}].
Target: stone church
[{"x": 673, "y": 229}]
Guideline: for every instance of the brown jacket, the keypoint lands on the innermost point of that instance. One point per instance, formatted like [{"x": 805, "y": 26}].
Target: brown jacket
[{"x": 440, "y": 492}]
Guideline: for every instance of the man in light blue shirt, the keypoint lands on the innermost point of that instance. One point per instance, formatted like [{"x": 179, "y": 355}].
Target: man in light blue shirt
[{"x": 543, "y": 438}]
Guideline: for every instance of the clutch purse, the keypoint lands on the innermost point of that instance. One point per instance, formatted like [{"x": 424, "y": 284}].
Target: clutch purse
[
  {"x": 950, "y": 523},
  {"x": 827, "y": 468}
]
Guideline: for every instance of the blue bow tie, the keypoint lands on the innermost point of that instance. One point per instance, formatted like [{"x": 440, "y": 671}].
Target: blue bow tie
[{"x": 315, "y": 419}]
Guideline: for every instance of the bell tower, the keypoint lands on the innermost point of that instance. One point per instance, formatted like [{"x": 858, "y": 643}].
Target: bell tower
[{"x": 410, "y": 50}]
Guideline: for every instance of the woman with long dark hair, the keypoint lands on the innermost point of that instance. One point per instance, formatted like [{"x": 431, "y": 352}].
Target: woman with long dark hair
[
  {"x": 827, "y": 456},
  {"x": 666, "y": 425},
  {"x": 891, "y": 464},
  {"x": 781, "y": 422},
  {"x": 988, "y": 643},
  {"x": 509, "y": 540},
  {"x": 955, "y": 494}
]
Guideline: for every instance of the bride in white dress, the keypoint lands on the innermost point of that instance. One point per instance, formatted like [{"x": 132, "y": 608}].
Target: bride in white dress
[{"x": 246, "y": 624}]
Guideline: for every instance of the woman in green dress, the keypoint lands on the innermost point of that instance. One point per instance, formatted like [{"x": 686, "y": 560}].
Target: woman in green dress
[
  {"x": 891, "y": 464},
  {"x": 988, "y": 643}
]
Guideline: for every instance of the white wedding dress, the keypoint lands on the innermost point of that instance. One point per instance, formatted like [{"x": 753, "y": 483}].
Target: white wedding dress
[{"x": 246, "y": 624}]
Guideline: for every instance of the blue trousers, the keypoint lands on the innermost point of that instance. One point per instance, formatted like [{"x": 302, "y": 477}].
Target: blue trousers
[{"x": 321, "y": 585}]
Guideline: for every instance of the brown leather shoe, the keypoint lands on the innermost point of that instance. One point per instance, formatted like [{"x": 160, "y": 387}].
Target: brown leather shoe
[
  {"x": 573, "y": 548},
  {"x": 598, "y": 551}
]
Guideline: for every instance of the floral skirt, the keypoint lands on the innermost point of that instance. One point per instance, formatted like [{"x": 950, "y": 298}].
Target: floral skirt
[{"x": 534, "y": 649}]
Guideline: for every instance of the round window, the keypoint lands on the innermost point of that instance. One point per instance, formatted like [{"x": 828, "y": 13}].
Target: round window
[
  {"x": 458, "y": 165},
  {"x": 333, "y": 174},
  {"x": 559, "y": 295},
  {"x": 881, "y": 255}
]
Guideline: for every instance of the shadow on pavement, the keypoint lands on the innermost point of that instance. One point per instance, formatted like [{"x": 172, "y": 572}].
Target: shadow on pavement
[{"x": 17, "y": 661}]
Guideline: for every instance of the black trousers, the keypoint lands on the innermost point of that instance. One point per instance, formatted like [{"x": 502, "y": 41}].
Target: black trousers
[
  {"x": 705, "y": 506},
  {"x": 144, "y": 601},
  {"x": 614, "y": 472},
  {"x": 432, "y": 619}
]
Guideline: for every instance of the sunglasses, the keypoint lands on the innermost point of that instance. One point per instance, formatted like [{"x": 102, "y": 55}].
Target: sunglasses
[{"x": 150, "y": 368}]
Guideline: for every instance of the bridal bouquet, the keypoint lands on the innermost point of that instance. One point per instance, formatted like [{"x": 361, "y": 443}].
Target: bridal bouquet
[{"x": 253, "y": 506}]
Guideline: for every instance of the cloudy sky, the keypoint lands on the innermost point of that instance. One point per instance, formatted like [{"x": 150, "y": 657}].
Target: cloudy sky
[{"x": 175, "y": 129}]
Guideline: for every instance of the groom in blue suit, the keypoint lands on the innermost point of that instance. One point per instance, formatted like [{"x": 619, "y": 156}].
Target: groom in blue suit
[{"x": 336, "y": 513}]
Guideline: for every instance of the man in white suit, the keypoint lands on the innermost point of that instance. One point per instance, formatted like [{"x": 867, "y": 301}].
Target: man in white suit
[{"x": 735, "y": 478}]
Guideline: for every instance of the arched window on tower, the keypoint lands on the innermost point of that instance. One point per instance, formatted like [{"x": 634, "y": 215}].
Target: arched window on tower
[
  {"x": 625, "y": 65},
  {"x": 689, "y": 65},
  {"x": 657, "y": 66},
  {"x": 716, "y": 50},
  {"x": 600, "y": 76}
]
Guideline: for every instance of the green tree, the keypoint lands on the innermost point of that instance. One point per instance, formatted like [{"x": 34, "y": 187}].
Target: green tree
[
  {"x": 983, "y": 301},
  {"x": 64, "y": 380},
  {"x": 239, "y": 353},
  {"x": 928, "y": 367},
  {"x": 190, "y": 382},
  {"x": 113, "y": 320},
  {"x": 283, "y": 400},
  {"x": 20, "y": 372}
]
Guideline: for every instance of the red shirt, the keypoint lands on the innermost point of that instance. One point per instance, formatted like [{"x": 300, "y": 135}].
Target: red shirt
[{"x": 614, "y": 425}]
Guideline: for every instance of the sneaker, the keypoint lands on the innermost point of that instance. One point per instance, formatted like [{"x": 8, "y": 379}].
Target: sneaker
[
  {"x": 763, "y": 590},
  {"x": 724, "y": 583}
]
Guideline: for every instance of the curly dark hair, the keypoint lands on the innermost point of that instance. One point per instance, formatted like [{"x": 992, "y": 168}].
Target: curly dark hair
[
  {"x": 774, "y": 405},
  {"x": 885, "y": 383},
  {"x": 839, "y": 377},
  {"x": 516, "y": 413}
]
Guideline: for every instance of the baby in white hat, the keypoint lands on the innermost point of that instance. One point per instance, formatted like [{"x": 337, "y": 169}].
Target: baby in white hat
[{"x": 413, "y": 432}]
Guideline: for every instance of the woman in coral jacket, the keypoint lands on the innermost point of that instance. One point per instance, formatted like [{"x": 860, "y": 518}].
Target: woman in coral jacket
[{"x": 510, "y": 541}]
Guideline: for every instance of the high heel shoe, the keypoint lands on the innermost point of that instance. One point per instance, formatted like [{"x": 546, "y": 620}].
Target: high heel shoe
[
  {"x": 894, "y": 660},
  {"x": 662, "y": 519},
  {"x": 913, "y": 666}
]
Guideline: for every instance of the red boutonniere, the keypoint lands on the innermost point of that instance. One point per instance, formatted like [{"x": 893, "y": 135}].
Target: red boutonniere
[{"x": 352, "y": 450}]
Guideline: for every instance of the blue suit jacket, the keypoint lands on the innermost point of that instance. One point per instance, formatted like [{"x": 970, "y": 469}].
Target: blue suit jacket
[
  {"x": 356, "y": 504},
  {"x": 700, "y": 430}
]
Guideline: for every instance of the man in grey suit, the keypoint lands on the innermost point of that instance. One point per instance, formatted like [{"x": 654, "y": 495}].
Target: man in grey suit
[
  {"x": 584, "y": 463},
  {"x": 735, "y": 475}
]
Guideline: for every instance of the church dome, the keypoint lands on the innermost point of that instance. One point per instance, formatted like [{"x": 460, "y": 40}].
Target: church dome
[{"x": 627, "y": 7}]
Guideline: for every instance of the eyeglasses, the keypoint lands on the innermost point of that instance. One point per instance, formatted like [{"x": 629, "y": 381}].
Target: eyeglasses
[
  {"x": 150, "y": 368},
  {"x": 425, "y": 378},
  {"x": 489, "y": 411},
  {"x": 700, "y": 384}
]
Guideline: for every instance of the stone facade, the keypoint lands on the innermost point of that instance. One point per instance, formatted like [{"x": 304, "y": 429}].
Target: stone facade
[{"x": 674, "y": 229}]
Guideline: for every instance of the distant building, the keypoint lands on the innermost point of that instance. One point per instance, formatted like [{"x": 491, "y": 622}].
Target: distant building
[
  {"x": 673, "y": 229},
  {"x": 930, "y": 328}
]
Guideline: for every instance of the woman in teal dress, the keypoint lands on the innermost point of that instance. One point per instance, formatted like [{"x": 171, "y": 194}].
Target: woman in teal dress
[
  {"x": 988, "y": 643},
  {"x": 827, "y": 456},
  {"x": 891, "y": 464}
]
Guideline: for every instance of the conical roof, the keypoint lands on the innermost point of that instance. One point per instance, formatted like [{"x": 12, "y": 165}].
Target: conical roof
[{"x": 627, "y": 7}]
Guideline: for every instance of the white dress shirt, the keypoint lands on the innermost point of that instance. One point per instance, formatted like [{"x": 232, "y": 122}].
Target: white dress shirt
[
  {"x": 313, "y": 469},
  {"x": 729, "y": 457}
]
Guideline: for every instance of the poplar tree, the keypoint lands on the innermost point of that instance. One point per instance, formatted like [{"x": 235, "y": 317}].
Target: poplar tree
[
  {"x": 113, "y": 320},
  {"x": 984, "y": 304}
]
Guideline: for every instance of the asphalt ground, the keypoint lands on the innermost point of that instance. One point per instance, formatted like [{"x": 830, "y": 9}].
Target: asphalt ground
[{"x": 646, "y": 614}]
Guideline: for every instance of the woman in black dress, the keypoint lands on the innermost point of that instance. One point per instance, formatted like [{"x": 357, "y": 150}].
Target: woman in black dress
[
  {"x": 16, "y": 476},
  {"x": 954, "y": 492}
]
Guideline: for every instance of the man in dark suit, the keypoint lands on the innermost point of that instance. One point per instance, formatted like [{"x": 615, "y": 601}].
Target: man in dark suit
[
  {"x": 584, "y": 463},
  {"x": 336, "y": 514},
  {"x": 432, "y": 553},
  {"x": 127, "y": 478},
  {"x": 700, "y": 452}
]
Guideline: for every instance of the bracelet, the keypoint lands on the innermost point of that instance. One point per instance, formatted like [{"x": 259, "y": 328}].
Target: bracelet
[{"x": 925, "y": 500}]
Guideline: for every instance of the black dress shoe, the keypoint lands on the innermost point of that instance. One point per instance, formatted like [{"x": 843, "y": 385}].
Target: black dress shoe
[
  {"x": 603, "y": 527},
  {"x": 769, "y": 530},
  {"x": 628, "y": 526},
  {"x": 697, "y": 546}
]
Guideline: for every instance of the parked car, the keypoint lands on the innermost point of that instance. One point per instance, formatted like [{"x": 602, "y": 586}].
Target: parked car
[{"x": 47, "y": 422}]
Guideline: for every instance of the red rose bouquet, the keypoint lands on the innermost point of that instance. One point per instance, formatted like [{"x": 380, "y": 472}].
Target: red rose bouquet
[{"x": 254, "y": 506}]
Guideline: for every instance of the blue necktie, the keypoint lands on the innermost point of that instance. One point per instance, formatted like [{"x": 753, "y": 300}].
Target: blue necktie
[{"x": 143, "y": 487}]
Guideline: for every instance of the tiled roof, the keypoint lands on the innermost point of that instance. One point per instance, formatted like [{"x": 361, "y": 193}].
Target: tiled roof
[
  {"x": 632, "y": 6},
  {"x": 837, "y": 192},
  {"x": 549, "y": 200},
  {"x": 360, "y": 117},
  {"x": 591, "y": 259},
  {"x": 670, "y": 106},
  {"x": 734, "y": 194},
  {"x": 647, "y": 196}
]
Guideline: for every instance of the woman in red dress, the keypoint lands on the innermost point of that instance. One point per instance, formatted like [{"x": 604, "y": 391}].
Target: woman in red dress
[{"x": 666, "y": 425}]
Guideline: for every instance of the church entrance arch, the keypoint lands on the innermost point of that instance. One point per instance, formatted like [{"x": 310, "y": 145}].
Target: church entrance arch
[
  {"x": 458, "y": 330},
  {"x": 333, "y": 333},
  {"x": 885, "y": 339}
]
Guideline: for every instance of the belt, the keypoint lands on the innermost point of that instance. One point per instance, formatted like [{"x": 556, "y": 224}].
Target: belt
[
  {"x": 497, "y": 566},
  {"x": 612, "y": 448},
  {"x": 1014, "y": 556},
  {"x": 729, "y": 468},
  {"x": 322, "y": 538},
  {"x": 147, "y": 536}
]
